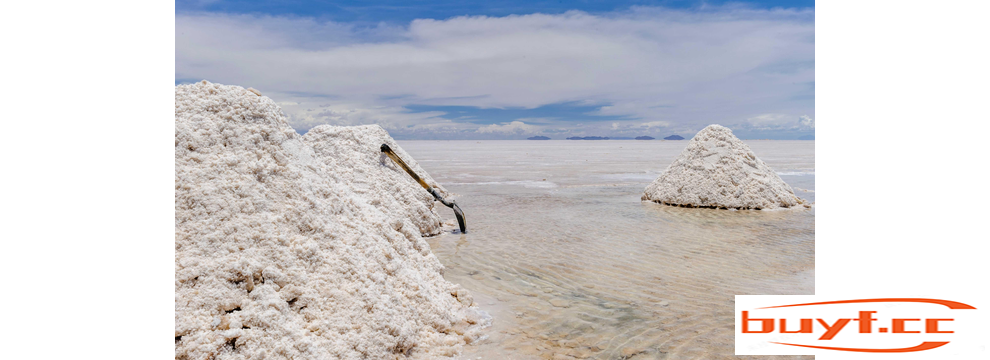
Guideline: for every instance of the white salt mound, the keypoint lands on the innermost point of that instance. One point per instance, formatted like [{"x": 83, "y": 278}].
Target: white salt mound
[
  {"x": 302, "y": 247},
  {"x": 353, "y": 154},
  {"x": 718, "y": 170}
]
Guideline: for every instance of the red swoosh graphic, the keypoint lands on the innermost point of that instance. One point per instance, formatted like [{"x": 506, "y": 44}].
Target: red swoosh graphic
[
  {"x": 947, "y": 303},
  {"x": 924, "y": 346}
]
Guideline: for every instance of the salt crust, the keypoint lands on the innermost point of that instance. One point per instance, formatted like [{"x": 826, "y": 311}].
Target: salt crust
[
  {"x": 718, "y": 170},
  {"x": 302, "y": 247}
]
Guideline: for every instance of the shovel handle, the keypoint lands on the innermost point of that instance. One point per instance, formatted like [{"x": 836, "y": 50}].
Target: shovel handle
[{"x": 391, "y": 154}]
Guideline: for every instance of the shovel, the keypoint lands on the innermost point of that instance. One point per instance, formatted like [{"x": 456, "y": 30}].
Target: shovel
[{"x": 451, "y": 204}]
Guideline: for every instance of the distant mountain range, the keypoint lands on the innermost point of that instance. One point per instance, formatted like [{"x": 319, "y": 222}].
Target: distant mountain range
[
  {"x": 644, "y": 138},
  {"x": 538, "y": 138},
  {"x": 588, "y": 138},
  {"x": 674, "y": 137}
]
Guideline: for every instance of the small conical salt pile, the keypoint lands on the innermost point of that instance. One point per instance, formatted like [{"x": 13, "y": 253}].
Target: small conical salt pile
[
  {"x": 717, "y": 170},
  {"x": 302, "y": 247}
]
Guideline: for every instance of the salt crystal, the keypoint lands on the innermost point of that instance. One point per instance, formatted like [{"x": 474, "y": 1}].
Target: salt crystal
[{"x": 306, "y": 246}]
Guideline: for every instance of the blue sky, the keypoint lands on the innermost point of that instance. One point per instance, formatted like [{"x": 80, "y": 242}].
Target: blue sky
[
  {"x": 504, "y": 70},
  {"x": 373, "y": 12}
]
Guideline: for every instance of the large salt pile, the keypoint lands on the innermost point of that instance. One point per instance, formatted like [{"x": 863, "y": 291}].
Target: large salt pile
[
  {"x": 353, "y": 154},
  {"x": 718, "y": 170},
  {"x": 303, "y": 247}
]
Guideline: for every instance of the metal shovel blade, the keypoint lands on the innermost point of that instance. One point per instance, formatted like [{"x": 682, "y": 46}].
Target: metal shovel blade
[
  {"x": 451, "y": 204},
  {"x": 460, "y": 216}
]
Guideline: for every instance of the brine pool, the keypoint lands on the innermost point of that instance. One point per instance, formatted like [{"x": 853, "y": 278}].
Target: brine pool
[{"x": 571, "y": 264}]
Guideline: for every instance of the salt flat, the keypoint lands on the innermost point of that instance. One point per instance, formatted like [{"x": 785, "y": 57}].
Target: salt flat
[{"x": 569, "y": 261}]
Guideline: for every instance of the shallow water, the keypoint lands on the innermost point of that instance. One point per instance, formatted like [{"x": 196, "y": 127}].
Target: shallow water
[{"x": 571, "y": 264}]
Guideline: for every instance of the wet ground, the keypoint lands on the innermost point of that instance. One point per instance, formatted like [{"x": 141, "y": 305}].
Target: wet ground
[{"x": 571, "y": 264}]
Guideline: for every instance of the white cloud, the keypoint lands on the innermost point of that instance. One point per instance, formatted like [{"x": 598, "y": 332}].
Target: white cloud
[
  {"x": 653, "y": 124},
  {"x": 515, "y": 127},
  {"x": 538, "y": 120},
  {"x": 688, "y": 67},
  {"x": 768, "y": 119},
  {"x": 778, "y": 122}
]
